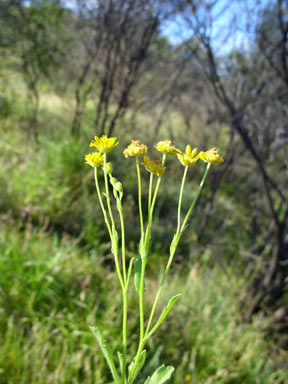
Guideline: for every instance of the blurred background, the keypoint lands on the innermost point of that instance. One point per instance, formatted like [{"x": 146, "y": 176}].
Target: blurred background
[{"x": 211, "y": 73}]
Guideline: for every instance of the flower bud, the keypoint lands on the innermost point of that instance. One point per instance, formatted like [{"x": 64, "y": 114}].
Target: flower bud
[
  {"x": 108, "y": 168},
  {"x": 118, "y": 187}
]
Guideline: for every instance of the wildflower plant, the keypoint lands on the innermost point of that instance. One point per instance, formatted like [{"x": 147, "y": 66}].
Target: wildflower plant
[{"x": 127, "y": 374}]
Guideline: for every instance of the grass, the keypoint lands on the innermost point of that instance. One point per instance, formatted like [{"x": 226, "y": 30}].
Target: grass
[
  {"x": 52, "y": 290},
  {"x": 57, "y": 273}
]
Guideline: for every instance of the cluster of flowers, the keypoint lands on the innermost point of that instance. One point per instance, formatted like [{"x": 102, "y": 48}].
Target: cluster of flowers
[{"x": 105, "y": 144}]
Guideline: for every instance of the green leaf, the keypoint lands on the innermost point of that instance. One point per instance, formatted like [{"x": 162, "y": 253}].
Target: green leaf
[
  {"x": 130, "y": 269},
  {"x": 142, "y": 250},
  {"x": 120, "y": 358},
  {"x": 115, "y": 243},
  {"x": 161, "y": 375},
  {"x": 139, "y": 366},
  {"x": 118, "y": 204},
  {"x": 164, "y": 313},
  {"x": 174, "y": 244},
  {"x": 106, "y": 352},
  {"x": 137, "y": 273}
]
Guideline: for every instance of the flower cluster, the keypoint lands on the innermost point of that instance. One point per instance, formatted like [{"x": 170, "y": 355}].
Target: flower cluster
[
  {"x": 94, "y": 159},
  {"x": 135, "y": 149},
  {"x": 105, "y": 144},
  {"x": 211, "y": 156},
  {"x": 167, "y": 147},
  {"x": 153, "y": 166},
  {"x": 189, "y": 157}
]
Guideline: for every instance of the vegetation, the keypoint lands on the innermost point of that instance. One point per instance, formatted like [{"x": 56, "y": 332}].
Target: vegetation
[
  {"x": 68, "y": 74},
  {"x": 54, "y": 289}
]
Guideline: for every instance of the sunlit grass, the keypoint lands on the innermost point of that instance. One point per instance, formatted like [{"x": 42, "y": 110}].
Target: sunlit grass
[
  {"x": 51, "y": 291},
  {"x": 52, "y": 286}
]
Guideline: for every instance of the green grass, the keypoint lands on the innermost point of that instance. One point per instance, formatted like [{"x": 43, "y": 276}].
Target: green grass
[
  {"x": 52, "y": 290},
  {"x": 56, "y": 270}
]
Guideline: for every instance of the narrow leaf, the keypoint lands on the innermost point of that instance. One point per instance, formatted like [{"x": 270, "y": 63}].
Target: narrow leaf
[
  {"x": 164, "y": 313},
  {"x": 137, "y": 274},
  {"x": 130, "y": 270},
  {"x": 174, "y": 244},
  {"x": 115, "y": 243},
  {"x": 142, "y": 250},
  {"x": 161, "y": 375},
  {"x": 106, "y": 351},
  {"x": 139, "y": 366},
  {"x": 120, "y": 358}
]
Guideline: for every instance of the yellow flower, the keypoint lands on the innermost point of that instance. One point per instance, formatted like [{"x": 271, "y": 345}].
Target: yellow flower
[
  {"x": 94, "y": 159},
  {"x": 211, "y": 156},
  {"x": 135, "y": 149},
  {"x": 153, "y": 166},
  {"x": 188, "y": 378},
  {"x": 104, "y": 144},
  {"x": 167, "y": 147},
  {"x": 189, "y": 157}
]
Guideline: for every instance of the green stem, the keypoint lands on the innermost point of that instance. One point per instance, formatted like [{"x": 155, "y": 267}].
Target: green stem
[
  {"x": 114, "y": 238},
  {"x": 154, "y": 307},
  {"x": 108, "y": 194},
  {"x": 101, "y": 203},
  {"x": 143, "y": 265},
  {"x": 150, "y": 191},
  {"x": 124, "y": 294},
  {"x": 141, "y": 298},
  {"x": 143, "y": 260},
  {"x": 151, "y": 210},
  {"x": 137, "y": 358},
  {"x": 139, "y": 196},
  {"x": 141, "y": 314},
  {"x": 172, "y": 253},
  {"x": 180, "y": 199},
  {"x": 123, "y": 242},
  {"x": 195, "y": 199}
]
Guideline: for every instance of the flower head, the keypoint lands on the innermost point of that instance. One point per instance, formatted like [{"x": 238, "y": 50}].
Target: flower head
[
  {"x": 153, "y": 166},
  {"x": 167, "y": 147},
  {"x": 135, "y": 149},
  {"x": 94, "y": 159},
  {"x": 104, "y": 144},
  {"x": 211, "y": 156},
  {"x": 189, "y": 157}
]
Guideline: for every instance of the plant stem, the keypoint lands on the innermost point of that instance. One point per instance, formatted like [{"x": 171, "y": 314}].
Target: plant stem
[
  {"x": 172, "y": 253},
  {"x": 123, "y": 243},
  {"x": 143, "y": 262},
  {"x": 124, "y": 294},
  {"x": 141, "y": 298},
  {"x": 195, "y": 198},
  {"x": 101, "y": 203},
  {"x": 150, "y": 191},
  {"x": 143, "y": 265},
  {"x": 139, "y": 196},
  {"x": 151, "y": 208},
  {"x": 114, "y": 238},
  {"x": 180, "y": 199}
]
